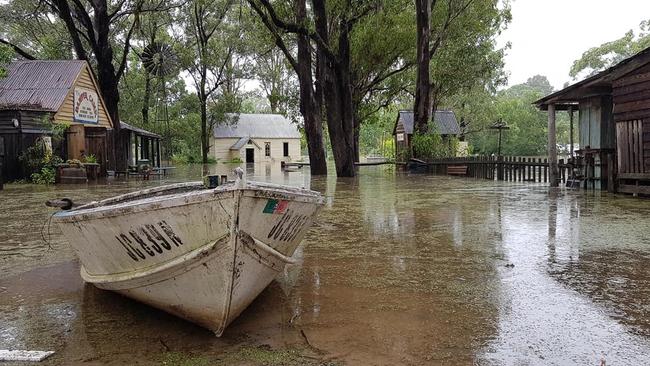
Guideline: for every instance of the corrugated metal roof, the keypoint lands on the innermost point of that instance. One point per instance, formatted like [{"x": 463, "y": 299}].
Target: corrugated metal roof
[
  {"x": 38, "y": 85},
  {"x": 139, "y": 131},
  {"x": 445, "y": 120},
  {"x": 257, "y": 126}
]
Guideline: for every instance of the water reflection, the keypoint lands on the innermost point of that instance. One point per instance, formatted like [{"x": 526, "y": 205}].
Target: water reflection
[{"x": 398, "y": 269}]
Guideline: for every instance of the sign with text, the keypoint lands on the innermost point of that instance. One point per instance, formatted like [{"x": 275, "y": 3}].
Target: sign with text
[{"x": 86, "y": 106}]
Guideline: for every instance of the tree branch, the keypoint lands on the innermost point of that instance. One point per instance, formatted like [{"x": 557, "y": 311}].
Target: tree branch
[
  {"x": 18, "y": 50},
  {"x": 295, "y": 28}
]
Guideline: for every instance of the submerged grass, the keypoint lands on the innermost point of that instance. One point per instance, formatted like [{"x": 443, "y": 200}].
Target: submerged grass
[{"x": 247, "y": 355}]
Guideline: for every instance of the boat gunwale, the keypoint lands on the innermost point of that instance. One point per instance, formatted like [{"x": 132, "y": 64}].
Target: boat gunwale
[{"x": 98, "y": 211}]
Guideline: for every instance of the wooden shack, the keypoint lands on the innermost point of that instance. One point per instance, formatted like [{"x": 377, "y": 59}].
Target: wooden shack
[
  {"x": 36, "y": 94},
  {"x": 444, "y": 122},
  {"x": 614, "y": 125}
]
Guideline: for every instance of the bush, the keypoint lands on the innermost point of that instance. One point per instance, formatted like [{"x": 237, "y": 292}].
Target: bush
[
  {"x": 431, "y": 146},
  {"x": 39, "y": 163},
  {"x": 46, "y": 176}
]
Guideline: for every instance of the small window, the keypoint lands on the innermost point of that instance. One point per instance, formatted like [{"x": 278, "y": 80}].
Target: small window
[
  {"x": 286, "y": 148},
  {"x": 267, "y": 149}
]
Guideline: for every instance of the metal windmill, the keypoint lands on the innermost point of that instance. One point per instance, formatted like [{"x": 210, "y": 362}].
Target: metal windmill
[{"x": 160, "y": 61}]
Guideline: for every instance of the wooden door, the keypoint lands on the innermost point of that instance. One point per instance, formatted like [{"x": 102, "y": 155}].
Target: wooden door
[
  {"x": 96, "y": 145},
  {"x": 630, "y": 148}
]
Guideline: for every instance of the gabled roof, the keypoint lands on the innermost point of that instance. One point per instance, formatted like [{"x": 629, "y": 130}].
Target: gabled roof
[
  {"x": 38, "y": 85},
  {"x": 256, "y": 126},
  {"x": 243, "y": 141},
  {"x": 138, "y": 131},
  {"x": 445, "y": 120},
  {"x": 598, "y": 84}
]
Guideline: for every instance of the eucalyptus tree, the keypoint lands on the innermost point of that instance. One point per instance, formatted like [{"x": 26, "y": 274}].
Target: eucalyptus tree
[
  {"x": 209, "y": 42},
  {"x": 31, "y": 31},
  {"x": 302, "y": 62},
  {"x": 610, "y": 53},
  {"x": 452, "y": 33},
  {"x": 331, "y": 27}
]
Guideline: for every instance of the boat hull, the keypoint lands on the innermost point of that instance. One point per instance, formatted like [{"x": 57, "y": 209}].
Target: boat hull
[{"x": 203, "y": 255}]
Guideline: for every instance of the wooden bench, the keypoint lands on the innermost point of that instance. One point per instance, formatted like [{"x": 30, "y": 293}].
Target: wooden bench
[{"x": 457, "y": 170}]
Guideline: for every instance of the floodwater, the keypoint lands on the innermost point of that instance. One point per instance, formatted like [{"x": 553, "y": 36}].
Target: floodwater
[{"x": 399, "y": 269}]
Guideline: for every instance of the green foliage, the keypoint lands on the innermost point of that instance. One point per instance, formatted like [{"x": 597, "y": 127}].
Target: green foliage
[
  {"x": 235, "y": 160},
  {"x": 39, "y": 163},
  {"x": 89, "y": 158},
  {"x": 479, "y": 108},
  {"x": 430, "y": 146},
  {"x": 376, "y": 134},
  {"x": 45, "y": 177},
  {"x": 6, "y": 54},
  {"x": 607, "y": 54}
]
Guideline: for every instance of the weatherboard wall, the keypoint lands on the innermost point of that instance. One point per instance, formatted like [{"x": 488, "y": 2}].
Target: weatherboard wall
[{"x": 65, "y": 112}]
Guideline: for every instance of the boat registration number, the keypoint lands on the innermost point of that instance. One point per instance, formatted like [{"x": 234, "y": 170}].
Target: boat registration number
[{"x": 148, "y": 240}]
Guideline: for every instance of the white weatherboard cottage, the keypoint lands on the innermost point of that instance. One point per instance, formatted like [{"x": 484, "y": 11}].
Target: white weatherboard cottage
[{"x": 255, "y": 138}]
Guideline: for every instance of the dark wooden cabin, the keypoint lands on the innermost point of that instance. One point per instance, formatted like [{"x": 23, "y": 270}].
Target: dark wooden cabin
[
  {"x": 444, "y": 123},
  {"x": 37, "y": 93},
  {"x": 614, "y": 125}
]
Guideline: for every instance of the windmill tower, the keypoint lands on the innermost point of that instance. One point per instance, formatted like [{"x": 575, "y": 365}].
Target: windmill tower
[{"x": 160, "y": 61}]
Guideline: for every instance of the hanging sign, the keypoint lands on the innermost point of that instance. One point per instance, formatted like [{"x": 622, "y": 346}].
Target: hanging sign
[{"x": 85, "y": 106}]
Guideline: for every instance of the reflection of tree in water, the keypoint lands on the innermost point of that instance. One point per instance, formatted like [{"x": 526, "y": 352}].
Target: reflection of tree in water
[{"x": 617, "y": 279}]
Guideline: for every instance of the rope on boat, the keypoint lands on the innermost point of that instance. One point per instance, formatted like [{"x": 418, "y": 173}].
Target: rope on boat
[{"x": 47, "y": 240}]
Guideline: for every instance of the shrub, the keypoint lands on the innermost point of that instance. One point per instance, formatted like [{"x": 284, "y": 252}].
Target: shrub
[
  {"x": 430, "y": 146},
  {"x": 45, "y": 176},
  {"x": 90, "y": 158},
  {"x": 39, "y": 163}
]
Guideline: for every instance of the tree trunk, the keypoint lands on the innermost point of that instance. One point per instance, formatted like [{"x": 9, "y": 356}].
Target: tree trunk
[
  {"x": 147, "y": 97},
  {"x": 422, "y": 107},
  {"x": 335, "y": 78},
  {"x": 108, "y": 79},
  {"x": 205, "y": 137},
  {"x": 309, "y": 106}
]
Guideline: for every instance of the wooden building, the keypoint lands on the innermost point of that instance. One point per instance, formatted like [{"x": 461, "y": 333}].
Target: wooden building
[
  {"x": 37, "y": 93},
  {"x": 444, "y": 123},
  {"x": 255, "y": 138},
  {"x": 614, "y": 125}
]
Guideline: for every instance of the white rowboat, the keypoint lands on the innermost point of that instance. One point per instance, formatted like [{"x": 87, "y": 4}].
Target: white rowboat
[{"x": 201, "y": 254}]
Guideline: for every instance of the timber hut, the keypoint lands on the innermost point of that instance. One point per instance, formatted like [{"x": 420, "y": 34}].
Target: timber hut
[
  {"x": 445, "y": 124},
  {"x": 139, "y": 145},
  {"x": 35, "y": 94},
  {"x": 613, "y": 126}
]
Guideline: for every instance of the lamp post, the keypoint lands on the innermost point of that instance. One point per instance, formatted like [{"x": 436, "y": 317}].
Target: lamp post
[{"x": 499, "y": 125}]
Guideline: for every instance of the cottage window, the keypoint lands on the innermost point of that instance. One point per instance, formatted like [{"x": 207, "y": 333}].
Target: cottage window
[
  {"x": 400, "y": 137},
  {"x": 267, "y": 149},
  {"x": 285, "y": 148}
]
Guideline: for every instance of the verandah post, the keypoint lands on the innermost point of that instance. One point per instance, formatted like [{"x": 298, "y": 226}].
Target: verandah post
[{"x": 552, "y": 147}]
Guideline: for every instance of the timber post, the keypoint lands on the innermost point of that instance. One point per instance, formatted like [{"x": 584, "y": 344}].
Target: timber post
[{"x": 552, "y": 147}]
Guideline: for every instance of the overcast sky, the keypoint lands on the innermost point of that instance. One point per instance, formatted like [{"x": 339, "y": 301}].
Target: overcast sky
[{"x": 547, "y": 36}]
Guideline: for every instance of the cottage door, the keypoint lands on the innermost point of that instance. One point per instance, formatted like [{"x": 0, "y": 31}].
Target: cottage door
[
  {"x": 96, "y": 146},
  {"x": 630, "y": 148},
  {"x": 250, "y": 155}
]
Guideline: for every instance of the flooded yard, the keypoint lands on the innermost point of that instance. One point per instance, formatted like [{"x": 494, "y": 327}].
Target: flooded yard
[{"x": 399, "y": 269}]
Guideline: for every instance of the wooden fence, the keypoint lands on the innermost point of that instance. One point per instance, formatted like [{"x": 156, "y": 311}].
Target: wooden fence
[{"x": 505, "y": 168}]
